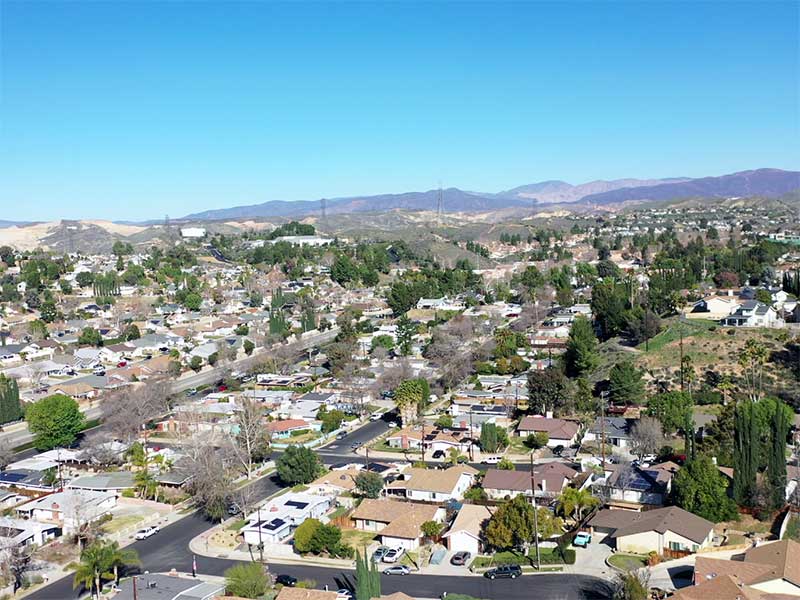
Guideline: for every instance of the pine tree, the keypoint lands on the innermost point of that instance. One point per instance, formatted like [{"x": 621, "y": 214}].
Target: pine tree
[{"x": 581, "y": 355}]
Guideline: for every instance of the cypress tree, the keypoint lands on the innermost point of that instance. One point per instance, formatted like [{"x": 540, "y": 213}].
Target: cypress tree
[
  {"x": 362, "y": 577},
  {"x": 745, "y": 454},
  {"x": 776, "y": 466},
  {"x": 10, "y": 409}
]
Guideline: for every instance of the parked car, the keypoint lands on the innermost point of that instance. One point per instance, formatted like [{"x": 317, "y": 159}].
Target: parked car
[
  {"x": 286, "y": 580},
  {"x": 460, "y": 558},
  {"x": 393, "y": 555},
  {"x": 192, "y": 392},
  {"x": 397, "y": 570},
  {"x": 583, "y": 539},
  {"x": 379, "y": 553},
  {"x": 145, "y": 533},
  {"x": 491, "y": 460},
  {"x": 222, "y": 388},
  {"x": 649, "y": 458},
  {"x": 438, "y": 454},
  {"x": 376, "y": 416},
  {"x": 341, "y": 435},
  {"x": 122, "y": 363},
  {"x": 506, "y": 571},
  {"x": 344, "y": 594}
]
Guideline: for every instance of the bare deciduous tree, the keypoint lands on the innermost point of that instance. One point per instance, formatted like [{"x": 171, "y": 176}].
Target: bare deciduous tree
[
  {"x": 646, "y": 436},
  {"x": 6, "y": 455},
  {"x": 125, "y": 411},
  {"x": 209, "y": 475},
  {"x": 98, "y": 450},
  {"x": 251, "y": 443}
]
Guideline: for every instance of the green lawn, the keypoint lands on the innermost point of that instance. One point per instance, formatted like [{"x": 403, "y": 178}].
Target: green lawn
[
  {"x": 627, "y": 562},
  {"x": 548, "y": 556},
  {"x": 672, "y": 332},
  {"x": 119, "y": 523}
]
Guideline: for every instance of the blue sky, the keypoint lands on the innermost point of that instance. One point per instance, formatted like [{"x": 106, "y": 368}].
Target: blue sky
[{"x": 131, "y": 110}]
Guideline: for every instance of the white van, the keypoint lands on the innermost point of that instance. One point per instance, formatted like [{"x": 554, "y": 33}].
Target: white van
[{"x": 491, "y": 460}]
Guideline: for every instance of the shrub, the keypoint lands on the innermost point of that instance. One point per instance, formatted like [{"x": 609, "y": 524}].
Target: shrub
[{"x": 299, "y": 432}]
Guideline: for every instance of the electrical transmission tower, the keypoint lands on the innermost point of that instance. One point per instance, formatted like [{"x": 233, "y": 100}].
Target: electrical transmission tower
[
  {"x": 323, "y": 218},
  {"x": 439, "y": 205}
]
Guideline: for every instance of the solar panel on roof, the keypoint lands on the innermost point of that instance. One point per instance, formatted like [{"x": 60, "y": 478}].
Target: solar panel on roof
[
  {"x": 12, "y": 477},
  {"x": 296, "y": 504}
]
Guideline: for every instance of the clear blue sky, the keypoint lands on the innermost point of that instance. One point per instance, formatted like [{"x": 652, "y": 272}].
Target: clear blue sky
[{"x": 130, "y": 110}]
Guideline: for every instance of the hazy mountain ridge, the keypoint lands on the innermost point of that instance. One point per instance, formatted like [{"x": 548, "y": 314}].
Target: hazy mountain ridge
[
  {"x": 561, "y": 191},
  {"x": 759, "y": 182},
  {"x": 770, "y": 183}
]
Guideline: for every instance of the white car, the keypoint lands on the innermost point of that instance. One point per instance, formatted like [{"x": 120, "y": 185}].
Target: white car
[
  {"x": 393, "y": 555},
  {"x": 376, "y": 416},
  {"x": 145, "y": 533},
  {"x": 491, "y": 460}
]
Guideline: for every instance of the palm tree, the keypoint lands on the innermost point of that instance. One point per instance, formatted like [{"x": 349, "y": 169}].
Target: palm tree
[
  {"x": 94, "y": 566},
  {"x": 120, "y": 557},
  {"x": 572, "y": 502}
]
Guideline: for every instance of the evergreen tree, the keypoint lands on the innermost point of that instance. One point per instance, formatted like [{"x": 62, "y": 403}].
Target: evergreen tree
[
  {"x": 10, "y": 409},
  {"x": 581, "y": 355},
  {"x": 745, "y": 455},
  {"x": 625, "y": 384},
  {"x": 776, "y": 467}
]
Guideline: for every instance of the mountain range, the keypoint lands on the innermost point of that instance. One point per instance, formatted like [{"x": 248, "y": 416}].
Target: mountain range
[{"x": 760, "y": 182}]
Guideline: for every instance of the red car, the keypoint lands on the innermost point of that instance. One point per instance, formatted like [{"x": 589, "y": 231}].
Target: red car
[
  {"x": 222, "y": 388},
  {"x": 122, "y": 363}
]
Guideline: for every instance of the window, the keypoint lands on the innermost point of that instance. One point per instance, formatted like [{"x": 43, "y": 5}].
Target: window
[{"x": 676, "y": 546}]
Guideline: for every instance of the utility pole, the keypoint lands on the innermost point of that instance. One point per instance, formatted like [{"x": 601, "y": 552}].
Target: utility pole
[
  {"x": 135, "y": 591},
  {"x": 535, "y": 516},
  {"x": 260, "y": 540},
  {"x": 603, "y": 395},
  {"x": 681, "y": 363},
  {"x": 471, "y": 434}
]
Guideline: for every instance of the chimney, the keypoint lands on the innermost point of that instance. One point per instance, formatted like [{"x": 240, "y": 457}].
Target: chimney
[
  {"x": 543, "y": 483},
  {"x": 549, "y": 414},
  {"x": 404, "y": 442},
  {"x": 714, "y": 460}
]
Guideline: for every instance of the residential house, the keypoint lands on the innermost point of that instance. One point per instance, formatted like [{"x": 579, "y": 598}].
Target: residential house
[
  {"x": 281, "y": 430},
  {"x": 335, "y": 482},
  {"x": 753, "y": 314},
  {"x": 659, "y": 530},
  {"x": 17, "y": 533},
  {"x": 629, "y": 486},
  {"x": 114, "y": 482},
  {"x": 71, "y": 508},
  {"x": 550, "y": 479},
  {"x": 466, "y": 532},
  {"x": 397, "y": 523},
  {"x": 765, "y": 569},
  {"x": 276, "y": 520},
  {"x": 169, "y": 586},
  {"x": 560, "y": 432},
  {"x": 616, "y": 430},
  {"x": 713, "y": 307},
  {"x": 433, "y": 485}
]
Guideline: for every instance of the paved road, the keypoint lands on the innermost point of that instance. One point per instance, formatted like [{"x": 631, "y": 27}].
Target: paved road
[{"x": 169, "y": 549}]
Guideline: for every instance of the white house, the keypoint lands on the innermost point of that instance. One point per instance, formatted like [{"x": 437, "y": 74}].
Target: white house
[
  {"x": 753, "y": 314},
  {"x": 466, "y": 532},
  {"x": 193, "y": 232},
  {"x": 22, "y": 532},
  {"x": 71, "y": 508},
  {"x": 433, "y": 485},
  {"x": 277, "y": 519},
  {"x": 560, "y": 432}
]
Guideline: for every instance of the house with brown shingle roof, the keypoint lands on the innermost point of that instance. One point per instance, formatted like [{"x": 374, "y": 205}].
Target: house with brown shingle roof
[
  {"x": 560, "y": 432},
  {"x": 550, "y": 478},
  {"x": 658, "y": 530},
  {"x": 433, "y": 485},
  {"x": 466, "y": 532},
  {"x": 769, "y": 568},
  {"x": 397, "y": 523}
]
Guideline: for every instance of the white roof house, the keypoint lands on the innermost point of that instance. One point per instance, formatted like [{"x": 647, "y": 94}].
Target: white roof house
[{"x": 277, "y": 519}]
